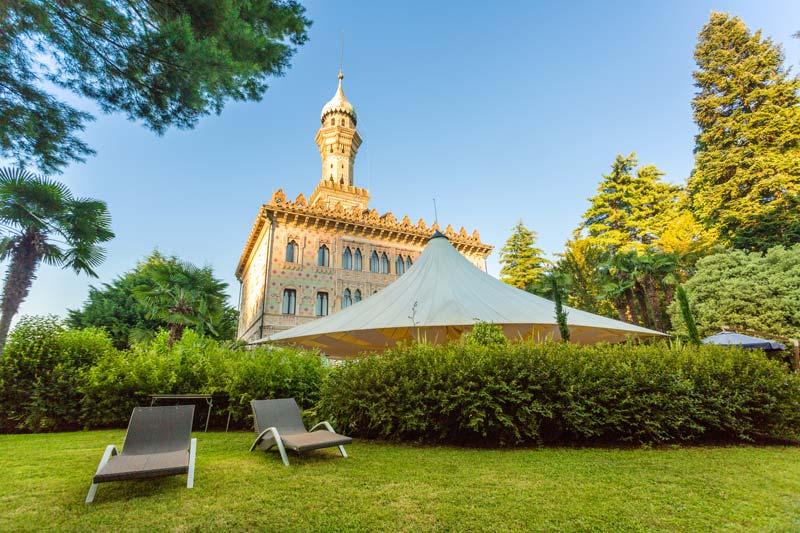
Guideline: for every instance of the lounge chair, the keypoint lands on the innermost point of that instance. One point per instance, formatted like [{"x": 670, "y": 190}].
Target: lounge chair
[
  {"x": 279, "y": 423},
  {"x": 158, "y": 443}
]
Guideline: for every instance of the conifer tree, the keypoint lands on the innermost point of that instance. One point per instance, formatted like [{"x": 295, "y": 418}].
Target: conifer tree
[
  {"x": 746, "y": 179},
  {"x": 522, "y": 262},
  {"x": 561, "y": 315},
  {"x": 629, "y": 209},
  {"x": 165, "y": 63}
]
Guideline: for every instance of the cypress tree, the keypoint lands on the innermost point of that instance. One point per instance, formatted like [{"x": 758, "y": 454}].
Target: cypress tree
[
  {"x": 561, "y": 315},
  {"x": 746, "y": 179},
  {"x": 688, "y": 317}
]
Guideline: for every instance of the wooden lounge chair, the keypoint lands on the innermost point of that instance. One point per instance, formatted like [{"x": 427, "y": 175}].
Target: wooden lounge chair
[
  {"x": 158, "y": 443},
  {"x": 279, "y": 423}
]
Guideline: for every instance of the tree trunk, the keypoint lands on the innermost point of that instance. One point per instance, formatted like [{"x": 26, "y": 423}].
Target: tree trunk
[
  {"x": 669, "y": 295},
  {"x": 655, "y": 307},
  {"x": 175, "y": 333},
  {"x": 19, "y": 278},
  {"x": 619, "y": 305},
  {"x": 632, "y": 306},
  {"x": 640, "y": 298}
]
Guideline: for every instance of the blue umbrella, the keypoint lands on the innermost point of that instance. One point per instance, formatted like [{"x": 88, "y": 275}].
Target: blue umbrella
[{"x": 729, "y": 338}]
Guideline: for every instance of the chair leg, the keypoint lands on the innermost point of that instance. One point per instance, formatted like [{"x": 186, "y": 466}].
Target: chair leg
[
  {"x": 344, "y": 453},
  {"x": 192, "y": 456},
  {"x": 92, "y": 492},
  {"x": 281, "y": 449},
  {"x": 111, "y": 450}
]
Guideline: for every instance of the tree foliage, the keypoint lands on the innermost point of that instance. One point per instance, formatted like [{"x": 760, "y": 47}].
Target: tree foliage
[
  {"x": 561, "y": 315},
  {"x": 42, "y": 221},
  {"x": 150, "y": 297},
  {"x": 637, "y": 239},
  {"x": 746, "y": 181},
  {"x": 688, "y": 317},
  {"x": 522, "y": 262},
  {"x": 164, "y": 63},
  {"x": 182, "y": 295},
  {"x": 745, "y": 290},
  {"x": 629, "y": 210}
]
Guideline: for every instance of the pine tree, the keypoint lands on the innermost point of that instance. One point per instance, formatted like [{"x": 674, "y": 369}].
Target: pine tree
[
  {"x": 522, "y": 262},
  {"x": 746, "y": 179},
  {"x": 164, "y": 63},
  {"x": 629, "y": 210}
]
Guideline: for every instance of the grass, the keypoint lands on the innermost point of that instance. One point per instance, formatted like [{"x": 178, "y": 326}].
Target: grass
[{"x": 44, "y": 479}]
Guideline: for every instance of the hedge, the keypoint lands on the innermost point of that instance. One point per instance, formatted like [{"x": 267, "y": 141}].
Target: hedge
[
  {"x": 53, "y": 379},
  {"x": 527, "y": 394}
]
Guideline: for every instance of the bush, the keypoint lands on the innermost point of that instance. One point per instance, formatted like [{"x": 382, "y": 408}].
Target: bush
[
  {"x": 41, "y": 370},
  {"x": 534, "y": 393},
  {"x": 273, "y": 372},
  {"x": 54, "y": 379},
  {"x": 197, "y": 364}
]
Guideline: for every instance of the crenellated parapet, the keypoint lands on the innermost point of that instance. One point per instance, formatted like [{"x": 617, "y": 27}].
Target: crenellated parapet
[{"x": 365, "y": 223}]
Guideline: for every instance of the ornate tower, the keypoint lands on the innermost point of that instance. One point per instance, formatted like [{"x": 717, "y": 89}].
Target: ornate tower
[{"x": 338, "y": 143}]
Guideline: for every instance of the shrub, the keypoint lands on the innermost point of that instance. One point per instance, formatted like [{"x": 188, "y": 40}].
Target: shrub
[
  {"x": 42, "y": 368},
  {"x": 196, "y": 364},
  {"x": 556, "y": 392},
  {"x": 273, "y": 372}
]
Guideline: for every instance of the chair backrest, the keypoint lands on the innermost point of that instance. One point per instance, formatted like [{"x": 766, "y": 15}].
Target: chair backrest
[
  {"x": 159, "y": 429},
  {"x": 283, "y": 414}
]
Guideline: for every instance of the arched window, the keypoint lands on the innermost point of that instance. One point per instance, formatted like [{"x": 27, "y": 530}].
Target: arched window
[
  {"x": 289, "y": 299},
  {"x": 323, "y": 256},
  {"x": 291, "y": 252},
  {"x": 347, "y": 259},
  {"x": 347, "y": 300},
  {"x": 322, "y": 304},
  {"x": 384, "y": 264},
  {"x": 374, "y": 265},
  {"x": 399, "y": 265},
  {"x": 408, "y": 262},
  {"x": 357, "y": 296},
  {"x": 357, "y": 260}
]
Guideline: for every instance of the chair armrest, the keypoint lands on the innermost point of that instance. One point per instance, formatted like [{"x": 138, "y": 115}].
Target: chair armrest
[
  {"x": 110, "y": 452},
  {"x": 263, "y": 434},
  {"x": 325, "y": 423},
  {"x": 278, "y": 441}
]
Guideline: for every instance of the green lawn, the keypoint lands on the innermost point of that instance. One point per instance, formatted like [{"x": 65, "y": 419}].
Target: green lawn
[{"x": 44, "y": 478}]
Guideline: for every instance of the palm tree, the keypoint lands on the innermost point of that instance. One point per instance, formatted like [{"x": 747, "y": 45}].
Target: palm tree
[
  {"x": 183, "y": 295},
  {"x": 42, "y": 221}
]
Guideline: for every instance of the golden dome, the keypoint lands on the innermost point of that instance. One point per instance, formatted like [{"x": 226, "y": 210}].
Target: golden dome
[{"x": 339, "y": 103}]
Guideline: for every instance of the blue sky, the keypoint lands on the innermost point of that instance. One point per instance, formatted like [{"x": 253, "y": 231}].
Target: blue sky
[{"x": 499, "y": 110}]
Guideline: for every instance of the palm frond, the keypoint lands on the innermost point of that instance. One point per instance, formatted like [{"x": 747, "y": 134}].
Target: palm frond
[{"x": 30, "y": 200}]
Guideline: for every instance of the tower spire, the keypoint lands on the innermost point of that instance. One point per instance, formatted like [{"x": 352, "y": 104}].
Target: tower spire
[{"x": 341, "y": 59}]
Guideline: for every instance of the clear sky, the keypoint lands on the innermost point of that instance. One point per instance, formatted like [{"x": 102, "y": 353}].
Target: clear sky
[{"x": 499, "y": 110}]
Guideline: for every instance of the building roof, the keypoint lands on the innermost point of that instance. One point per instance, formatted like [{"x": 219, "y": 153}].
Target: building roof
[
  {"x": 440, "y": 297},
  {"x": 339, "y": 103},
  {"x": 367, "y": 223}
]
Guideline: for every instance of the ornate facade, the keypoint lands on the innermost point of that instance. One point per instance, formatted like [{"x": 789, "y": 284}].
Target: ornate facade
[{"x": 309, "y": 258}]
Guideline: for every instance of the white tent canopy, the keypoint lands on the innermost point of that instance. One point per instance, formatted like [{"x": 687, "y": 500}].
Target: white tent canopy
[{"x": 437, "y": 299}]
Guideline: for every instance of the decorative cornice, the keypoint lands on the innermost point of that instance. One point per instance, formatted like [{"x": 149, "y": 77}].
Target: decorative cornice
[{"x": 354, "y": 220}]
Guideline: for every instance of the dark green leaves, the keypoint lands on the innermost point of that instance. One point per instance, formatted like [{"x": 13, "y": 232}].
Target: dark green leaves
[
  {"x": 746, "y": 182},
  {"x": 165, "y": 63}
]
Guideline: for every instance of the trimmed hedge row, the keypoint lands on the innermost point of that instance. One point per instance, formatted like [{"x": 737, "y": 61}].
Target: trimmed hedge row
[
  {"x": 563, "y": 393},
  {"x": 53, "y": 379}
]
